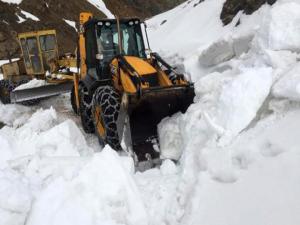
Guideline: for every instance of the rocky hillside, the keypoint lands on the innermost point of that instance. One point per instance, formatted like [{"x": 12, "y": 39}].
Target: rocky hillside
[
  {"x": 30, "y": 15},
  {"x": 51, "y": 14}
]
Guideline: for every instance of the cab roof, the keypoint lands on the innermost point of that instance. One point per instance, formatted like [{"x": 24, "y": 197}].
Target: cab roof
[{"x": 94, "y": 21}]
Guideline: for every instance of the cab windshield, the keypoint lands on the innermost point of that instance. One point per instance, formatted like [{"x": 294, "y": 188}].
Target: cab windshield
[{"x": 108, "y": 41}]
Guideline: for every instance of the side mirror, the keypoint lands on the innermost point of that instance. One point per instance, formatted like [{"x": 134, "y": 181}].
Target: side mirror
[{"x": 148, "y": 53}]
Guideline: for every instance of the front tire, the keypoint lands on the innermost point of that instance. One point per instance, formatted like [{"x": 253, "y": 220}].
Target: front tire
[
  {"x": 5, "y": 88},
  {"x": 85, "y": 108},
  {"x": 106, "y": 107}
]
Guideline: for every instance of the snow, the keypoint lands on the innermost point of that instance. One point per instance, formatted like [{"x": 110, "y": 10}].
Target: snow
[
  {"x": 31, "y": 84},
  {"x": 280, "y": 27},
  {"x": 102, "y": 191},
  {"x": 289, "y": 85},
  {"x": 236, "y": 148},
  {"x": 232, "y": 158},
  {"x": 241, "y": 98},
  {"x": 99, "y": 4},
  {"x": 29, "y": 16},
  {"x": 271, "y": 201},
  {"x": 71, "y": 23},
  {"x": 20, "y": 19},
  {"x": 7, "y": 61},
  {"x": 14, "y": 115},
  {"x": 170, "y": 137},
  {"x": 12, "y": 1},
  {"x": 15, "y": 197},
  {"x": 191, "y": 35},
  {"x": 266, "y": 190}
]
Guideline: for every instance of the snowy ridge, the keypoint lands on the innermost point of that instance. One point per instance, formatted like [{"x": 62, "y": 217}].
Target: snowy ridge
[{"x": 237, "y": 146}]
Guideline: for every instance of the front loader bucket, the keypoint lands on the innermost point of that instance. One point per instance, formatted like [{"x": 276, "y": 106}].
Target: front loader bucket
[
  {"x": 40, "y": 92},
  {"x": 145, "y": 114}
]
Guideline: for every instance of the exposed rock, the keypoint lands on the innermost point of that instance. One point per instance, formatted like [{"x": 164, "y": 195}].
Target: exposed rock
[
  {"x": 52, "y": 12},
  {"x": 232, "y": 7},
  {"x": 2, "y": 37}
]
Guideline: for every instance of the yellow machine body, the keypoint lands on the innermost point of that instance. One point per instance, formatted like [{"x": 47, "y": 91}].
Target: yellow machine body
[
  {"x": 113, "y": 62},
  {"x": 39, "y": 60},
  {"x": 39, "y": 51}
]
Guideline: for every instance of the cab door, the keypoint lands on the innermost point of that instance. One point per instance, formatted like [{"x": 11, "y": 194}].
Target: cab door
[
  {"x": 49, "y": 50},
  {"x": 32, "y": 55}
]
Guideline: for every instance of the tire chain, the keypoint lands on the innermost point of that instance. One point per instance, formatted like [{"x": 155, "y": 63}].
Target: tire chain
[
  {"x": 109, "y": 101},
  {"x": 85, "y": 108}
]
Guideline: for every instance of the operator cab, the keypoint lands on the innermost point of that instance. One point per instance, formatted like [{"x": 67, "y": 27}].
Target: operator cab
[
  {"x": 38, "y": 49},
  {"x": 102, "y": 43}
]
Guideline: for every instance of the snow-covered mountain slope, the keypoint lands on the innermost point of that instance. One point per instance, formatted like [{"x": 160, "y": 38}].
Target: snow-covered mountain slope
[{"x": 237, "y": 146}]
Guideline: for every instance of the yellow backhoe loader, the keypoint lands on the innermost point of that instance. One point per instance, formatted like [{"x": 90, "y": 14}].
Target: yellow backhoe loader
[
  {"x": 122, "y": 92},
  {"x": 40, "y": 61}
]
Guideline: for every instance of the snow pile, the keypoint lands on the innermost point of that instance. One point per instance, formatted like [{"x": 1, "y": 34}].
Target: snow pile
[
  {"x": 267, "y": 191},
  {"x": 41, "y": 135},
  {"x": 99, "y": 4},
  {"x": 31, "y": 84},
  {"x": 280, "y": 28},
  {"x": 103, "y": 191},
  {"x": 26, "y": 152},
  {"x": 234, "y": 142},
  {"x": 50, "y": 161},
  {"x": 170, "y": 138},
  {"x": 241, "y": 98},
  {"x": 14, "y": 115}
]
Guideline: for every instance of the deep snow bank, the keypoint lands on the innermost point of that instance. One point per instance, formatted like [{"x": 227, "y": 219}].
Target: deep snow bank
[
  {"x": 41, "y": 135},
  {"x": 233, "y": 142},
  {"x": 30, "y": 145},
  {"x": 103, "y": 192},
  {"x": 280, "y": 27},
  {"x": 49, "y": 175}
]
